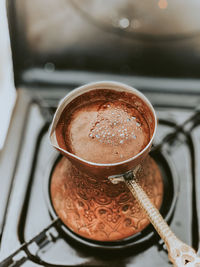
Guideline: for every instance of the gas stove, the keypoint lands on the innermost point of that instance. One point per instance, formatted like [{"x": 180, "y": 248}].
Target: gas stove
[{"x": 31, "y": 232}]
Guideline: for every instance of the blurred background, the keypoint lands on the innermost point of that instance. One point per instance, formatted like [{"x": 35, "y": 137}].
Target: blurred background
[{"x": 151, "y": 38}]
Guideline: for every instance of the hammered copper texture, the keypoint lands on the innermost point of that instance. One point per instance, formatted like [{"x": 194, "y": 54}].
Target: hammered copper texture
[{"x": 99, "y": 210}]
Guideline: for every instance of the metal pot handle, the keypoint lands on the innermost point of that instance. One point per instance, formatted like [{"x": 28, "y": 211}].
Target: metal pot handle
[{"x": 179, "y": 253}]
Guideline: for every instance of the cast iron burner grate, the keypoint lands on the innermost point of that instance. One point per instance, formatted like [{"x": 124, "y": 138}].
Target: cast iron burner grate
[{"x": 49, "y": 245}]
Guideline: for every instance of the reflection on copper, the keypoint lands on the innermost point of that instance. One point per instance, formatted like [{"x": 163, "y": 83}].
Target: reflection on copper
[{"x": 99, "y": 210}]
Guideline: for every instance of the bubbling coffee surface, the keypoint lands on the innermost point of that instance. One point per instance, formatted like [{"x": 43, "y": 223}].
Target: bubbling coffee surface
[{"x": 103, "y": 131}]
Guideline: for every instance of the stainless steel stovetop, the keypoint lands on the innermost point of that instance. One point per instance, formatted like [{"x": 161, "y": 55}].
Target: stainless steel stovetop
[{"x": 31, "y": 237}]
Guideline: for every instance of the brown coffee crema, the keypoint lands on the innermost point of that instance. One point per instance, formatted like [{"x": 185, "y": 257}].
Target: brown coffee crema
[{"x": 105, "y": 126}]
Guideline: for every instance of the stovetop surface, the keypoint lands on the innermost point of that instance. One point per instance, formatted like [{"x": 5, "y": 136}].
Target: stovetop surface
[{"x": 28, "y": 224}]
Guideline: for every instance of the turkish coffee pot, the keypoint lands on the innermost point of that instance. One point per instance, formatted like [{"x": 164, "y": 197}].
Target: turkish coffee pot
[{"x": 98, "y": 200}]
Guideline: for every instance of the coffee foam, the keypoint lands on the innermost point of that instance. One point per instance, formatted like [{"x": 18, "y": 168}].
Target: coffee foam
[{"x": 105, "y": 129}]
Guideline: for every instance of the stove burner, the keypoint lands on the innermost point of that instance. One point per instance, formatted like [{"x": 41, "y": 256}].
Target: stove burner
[
  {"x": 108, "y": 218},
  {"x": 35, "y": 235}
]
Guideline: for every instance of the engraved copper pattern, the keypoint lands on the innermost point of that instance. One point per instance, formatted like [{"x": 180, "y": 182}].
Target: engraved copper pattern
[{"x": 99, "y": 210}]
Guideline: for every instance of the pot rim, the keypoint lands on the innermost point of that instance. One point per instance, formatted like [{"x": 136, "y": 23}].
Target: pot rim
[{"x": 112, "y": 85}]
